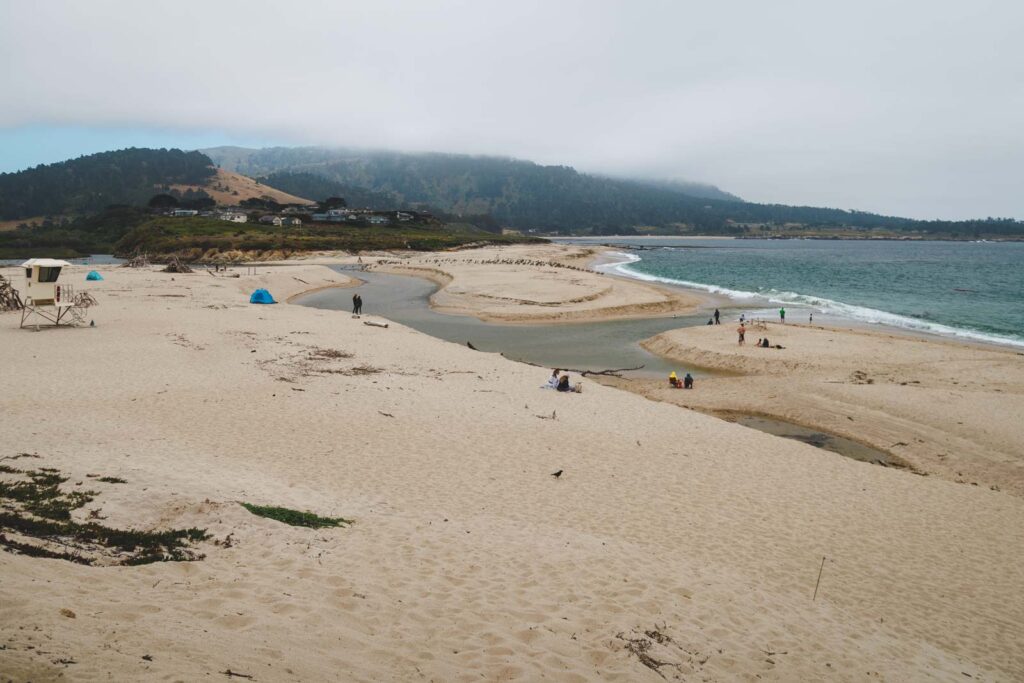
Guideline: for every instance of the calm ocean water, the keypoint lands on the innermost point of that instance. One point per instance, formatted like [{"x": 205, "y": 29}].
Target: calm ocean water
[{"x": 971, "y": 290}]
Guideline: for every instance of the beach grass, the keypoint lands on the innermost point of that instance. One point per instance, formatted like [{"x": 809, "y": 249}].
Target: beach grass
[
  {"x": 38, "y": 512},
  {"x": 295, "y": 517}
]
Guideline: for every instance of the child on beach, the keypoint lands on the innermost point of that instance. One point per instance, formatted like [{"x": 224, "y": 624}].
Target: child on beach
[{"x": 564, "y": 385}]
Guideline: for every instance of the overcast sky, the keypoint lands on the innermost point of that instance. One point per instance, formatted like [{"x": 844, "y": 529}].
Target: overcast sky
[{"x": 912, "y": 107}]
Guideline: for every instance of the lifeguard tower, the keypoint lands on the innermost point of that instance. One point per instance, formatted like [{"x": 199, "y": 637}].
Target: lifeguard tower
[{"x": 46, "y": 299}]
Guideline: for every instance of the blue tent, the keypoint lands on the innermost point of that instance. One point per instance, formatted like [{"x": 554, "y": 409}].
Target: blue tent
[
  {"x": 93, "y": 275},
  {"x": 261, "y": 296}
]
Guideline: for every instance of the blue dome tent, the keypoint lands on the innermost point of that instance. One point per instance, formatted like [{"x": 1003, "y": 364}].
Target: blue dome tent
[
  {"x": 261, "y": 296},
  {"x": 93, "y": 275}
]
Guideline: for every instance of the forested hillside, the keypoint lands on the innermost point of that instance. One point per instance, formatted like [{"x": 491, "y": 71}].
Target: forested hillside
[
  {"x": 527, "y": 196},
  {"x": 89, "y": 183},
  {"x": 517, "y": 193}
]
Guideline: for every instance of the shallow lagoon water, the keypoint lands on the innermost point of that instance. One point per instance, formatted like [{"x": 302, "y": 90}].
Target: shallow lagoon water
[{"x": 586, "y": 346}]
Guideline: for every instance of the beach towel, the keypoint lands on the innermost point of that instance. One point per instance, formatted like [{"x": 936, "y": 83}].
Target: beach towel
[
  {"x": 93, "y": 275},
  {"x": 261, "y": 296}
]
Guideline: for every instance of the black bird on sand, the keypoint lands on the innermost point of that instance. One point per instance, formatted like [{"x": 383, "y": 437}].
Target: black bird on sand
[{"x": 557, "y": 474}]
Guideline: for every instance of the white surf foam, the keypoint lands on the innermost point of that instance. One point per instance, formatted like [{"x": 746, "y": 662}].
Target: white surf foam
[{"x": 623, "y": 261}]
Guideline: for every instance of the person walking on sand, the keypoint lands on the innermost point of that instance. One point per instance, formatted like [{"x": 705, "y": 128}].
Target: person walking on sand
[
  {"x": 355, "y": 304},
  {"x": 782, "y": 315},
  {"x": 359, "y": 304},
  {"x": 741, "y": 331},
  {"x": 717, "y": 315}
]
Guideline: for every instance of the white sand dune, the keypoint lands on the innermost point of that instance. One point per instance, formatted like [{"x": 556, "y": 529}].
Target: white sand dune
[{"x": 467, "y": 560}]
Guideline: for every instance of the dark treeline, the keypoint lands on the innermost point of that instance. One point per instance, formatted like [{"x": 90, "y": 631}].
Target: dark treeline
[
  {"x": 525, "y": 195},
  {"x": 90, "y": 183}
]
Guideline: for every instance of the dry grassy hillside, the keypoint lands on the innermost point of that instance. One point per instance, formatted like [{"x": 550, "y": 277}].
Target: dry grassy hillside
[
  {"x": 229, "y": 188},
  {"x": 11, "y": 225}
]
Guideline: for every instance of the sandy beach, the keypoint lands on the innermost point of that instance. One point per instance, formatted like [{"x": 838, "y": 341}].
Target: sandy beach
[
  {"x": 945, "y": 408},
  {"x": 489, "y": 284},
  {"x": 674, "y": 545}
]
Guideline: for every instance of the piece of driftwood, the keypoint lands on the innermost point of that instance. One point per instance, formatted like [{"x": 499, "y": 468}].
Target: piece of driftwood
[
  {"x": 85, "y": 300},
  {"x": 612, "y": 372},
  {"x": 375, "y": 324},
  {"x": 10, "y": 298},
  {"x": 176, "y": 266},
  {"x": 139, "y": 260}
]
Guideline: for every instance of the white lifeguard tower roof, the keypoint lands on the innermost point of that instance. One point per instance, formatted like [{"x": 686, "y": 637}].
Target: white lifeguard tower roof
[{"x": 45, "y": 263}]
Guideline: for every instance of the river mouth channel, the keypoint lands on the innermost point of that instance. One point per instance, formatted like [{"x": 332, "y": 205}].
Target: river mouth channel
[{"x": 585, "y": 346}]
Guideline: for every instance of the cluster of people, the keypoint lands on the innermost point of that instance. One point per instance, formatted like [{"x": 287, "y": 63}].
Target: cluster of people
[
  {"x": 560, "y": 382},
  {"x": 685, "y": 383},
  {"x": 763, "y": 343},
  {"x": 357, "y": 304}
]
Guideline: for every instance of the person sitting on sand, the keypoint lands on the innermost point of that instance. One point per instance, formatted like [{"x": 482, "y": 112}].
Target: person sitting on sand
[
  {"x": 758, "y": 342},
  {"x": 688, "y": 381},
  {"x": 765, "y": 344},
  {"x": 553, "y": 380},
  {"x": 741, "y": 331},
  {"x": 673, "y": 380},
  {"x": 564, "y": 385}
]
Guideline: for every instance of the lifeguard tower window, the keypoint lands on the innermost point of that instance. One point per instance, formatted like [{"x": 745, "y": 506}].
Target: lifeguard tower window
[{"x": 49, "y": 274}]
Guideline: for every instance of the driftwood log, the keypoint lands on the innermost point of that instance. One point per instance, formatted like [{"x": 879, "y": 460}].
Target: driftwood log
[
  {"x": 612, "y": 372},
  {"x": 137, "y": 261},
  {"x": 375, "y": 324},
  {"x": 176, "y": 266},
  {"x": 10, "y": 298}
]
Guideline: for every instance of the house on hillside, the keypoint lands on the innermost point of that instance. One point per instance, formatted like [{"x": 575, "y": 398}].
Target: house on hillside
[
  {"x": 271, "y": 220},
  {"x": 234, "y": 217},
  {"x": 184, "y": 213},
  {"x": 319, "y": 217},
  {"x": 377, "y": 220},
  {"x": 338, "y": 214},
  {"x": 402, "y": 216},
  {"x": 291, "y": 222}
]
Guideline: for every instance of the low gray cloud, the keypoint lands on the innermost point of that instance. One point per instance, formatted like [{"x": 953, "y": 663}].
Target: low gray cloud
[{"x": 908, "y": 108}]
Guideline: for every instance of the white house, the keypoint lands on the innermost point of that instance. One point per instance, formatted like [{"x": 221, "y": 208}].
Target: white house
[
  {"x": 291, "y": 221},
  {"x": 184, "y": 212},
  {"x": 271, "y": 220},
  {"x": 377, "y": 220},
  {"x": 234, "y": 217}
]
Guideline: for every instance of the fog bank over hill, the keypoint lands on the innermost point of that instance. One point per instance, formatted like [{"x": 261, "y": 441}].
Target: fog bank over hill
[{"x": 558, "y": 199}]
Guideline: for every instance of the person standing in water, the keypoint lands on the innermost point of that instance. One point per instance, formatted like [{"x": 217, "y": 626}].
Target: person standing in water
[
  {"x": 717, "y": 314},
  {"x": 782, "y": 315}
]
